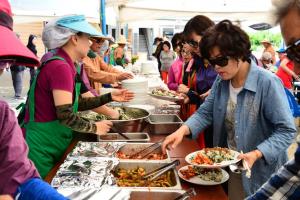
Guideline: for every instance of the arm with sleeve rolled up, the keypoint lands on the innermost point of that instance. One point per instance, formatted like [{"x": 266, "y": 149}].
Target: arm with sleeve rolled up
[
  {"x": 203, "y": 117},
  {"x": 280, "y": 116}
]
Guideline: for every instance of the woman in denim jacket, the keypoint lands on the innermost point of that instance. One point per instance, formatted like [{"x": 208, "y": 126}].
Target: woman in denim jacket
[{"x": 247, "y": 107}]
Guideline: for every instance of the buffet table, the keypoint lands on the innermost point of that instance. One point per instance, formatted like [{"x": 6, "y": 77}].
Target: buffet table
[{"x": 187, "y": 146}]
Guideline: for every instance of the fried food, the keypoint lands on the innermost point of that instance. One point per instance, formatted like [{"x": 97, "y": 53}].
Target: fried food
[{"x": 133, "y": 178}]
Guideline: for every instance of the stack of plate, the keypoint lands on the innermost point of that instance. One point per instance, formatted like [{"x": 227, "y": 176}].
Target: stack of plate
[
  {"x": 139, "y": 86},
  {"x": 149, "y": 67}
]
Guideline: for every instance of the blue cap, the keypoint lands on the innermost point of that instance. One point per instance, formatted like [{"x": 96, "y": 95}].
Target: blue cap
[
  {"x": 281, "y": 50},
  {"x": 78, "y": 23}
]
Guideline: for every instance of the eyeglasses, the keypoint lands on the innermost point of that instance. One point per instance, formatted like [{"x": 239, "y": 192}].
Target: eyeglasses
[
  {"x": 221, "y": 61},
  {"x": 184, "y": 52},
  {"x": 193, "y": 43},
  {"x": 293, "y": 51},
  {"x": 98, "y": 41},
  {"x": 6, "y": 63}
]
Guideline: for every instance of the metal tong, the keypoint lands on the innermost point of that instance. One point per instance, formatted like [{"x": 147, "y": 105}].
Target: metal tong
[
  {"x": 189, "y": 193},
  {"x": 153, "y": 175},
  {"x": 146, "y": 151},
  {"x": 114, "y": 129}
]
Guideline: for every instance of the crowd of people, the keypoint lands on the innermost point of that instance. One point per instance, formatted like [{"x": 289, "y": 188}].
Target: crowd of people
[{"x": 226, "y": 99}]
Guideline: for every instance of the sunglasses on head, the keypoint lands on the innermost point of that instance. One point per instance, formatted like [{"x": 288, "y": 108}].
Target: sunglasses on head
[
  {"x": 293, "y": 51},
  {"x": 221, "y": 61}
]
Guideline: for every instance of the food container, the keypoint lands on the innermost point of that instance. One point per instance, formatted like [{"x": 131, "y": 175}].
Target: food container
[
  {"x": 149, "y": 166},
  {"x": 164, "y": 123},
  {"x": 133, "y": 137},
  {"x": 134, "y": 125},
  {"x": 156, "y": 194},
  {"x": 137, "y": 123},
  {"x": 132, "y": 148}
]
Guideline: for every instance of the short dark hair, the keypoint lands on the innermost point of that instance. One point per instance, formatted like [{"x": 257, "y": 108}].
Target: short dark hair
[
  {"x": 198, "y": 24},
  {"x": 231, "y": 40},
  {"x": 157, "y": 39},
  {"x": 282, "y": 7},
  {"x": 167, "y": 43},
  {"x": 177, "y": 40}
]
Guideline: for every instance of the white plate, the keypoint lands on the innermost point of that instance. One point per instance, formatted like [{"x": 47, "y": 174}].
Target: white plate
[
  {"x": 215, "y": 165},
  {"x": 173, "y": 99},
  {"x": 197, "y": 180}
]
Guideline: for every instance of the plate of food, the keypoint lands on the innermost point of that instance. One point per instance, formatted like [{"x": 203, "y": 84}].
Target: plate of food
[
  {"x": 213, "y": 157},
  {"x": 203, "y": 176},
  {"x": 164, "y": 94}
]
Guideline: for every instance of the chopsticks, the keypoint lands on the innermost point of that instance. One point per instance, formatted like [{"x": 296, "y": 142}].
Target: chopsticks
[
  {"x": 159, "y": 171},
  {"x": 146, "y": 151},
  {"x": 246, "y": 166}
]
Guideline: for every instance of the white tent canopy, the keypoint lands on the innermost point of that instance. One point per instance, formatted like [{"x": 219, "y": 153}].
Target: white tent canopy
[
  {"x": 126, "y": 11},
  {"x": 241, "y": 10}
]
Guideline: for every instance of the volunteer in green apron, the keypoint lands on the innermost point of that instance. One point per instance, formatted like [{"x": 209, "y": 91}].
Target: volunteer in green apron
[{"x": 57, "y": 93}]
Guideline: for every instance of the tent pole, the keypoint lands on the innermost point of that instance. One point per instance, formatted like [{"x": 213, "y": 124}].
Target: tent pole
[{"x": 103, "y": 17}]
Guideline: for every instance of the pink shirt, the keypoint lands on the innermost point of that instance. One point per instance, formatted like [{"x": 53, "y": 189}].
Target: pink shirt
[
  {"x": 174, "y": 74},
  {"x": 15, "y": 167},
  {"x": 55, "y": 75}
]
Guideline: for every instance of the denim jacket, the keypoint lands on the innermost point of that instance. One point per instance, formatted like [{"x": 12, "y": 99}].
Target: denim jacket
[{"x": 263, "y": 121}]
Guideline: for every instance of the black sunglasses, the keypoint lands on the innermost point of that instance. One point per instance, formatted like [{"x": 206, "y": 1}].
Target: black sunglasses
[
  {"x": 193, "y": 43},
  {"x": 221, "y": 61},
  {"x": 98, "y": 41},
  {"x": 293, "y": 51}
]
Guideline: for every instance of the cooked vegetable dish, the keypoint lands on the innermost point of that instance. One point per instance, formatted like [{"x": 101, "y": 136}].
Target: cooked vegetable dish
[
  {"x": 125, "y": 114},
  {"x": 210, "y": 156},
  {"x": 133, "y": 178},
  {"x": 203, "y": 173},
  {"x": 163, "y": 92},
  {"x": 152, "y": 156}
]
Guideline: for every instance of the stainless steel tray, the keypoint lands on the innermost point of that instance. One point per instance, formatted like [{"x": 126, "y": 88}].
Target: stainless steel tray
[
  {"x": 164, "y": 123},
  {"x": 149, "y": 167},
  {"x": 132, "y": 148},
  {"x": 155, "y": 194},
  {"x": 115, "y": 137}
]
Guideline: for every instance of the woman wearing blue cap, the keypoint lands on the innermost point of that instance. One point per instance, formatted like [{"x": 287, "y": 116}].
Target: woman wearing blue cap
[{"x": 56, "y": 94}]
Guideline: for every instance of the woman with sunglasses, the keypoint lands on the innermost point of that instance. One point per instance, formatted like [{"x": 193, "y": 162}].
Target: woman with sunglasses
[
  {"x": 97, "y": 70},
  {"x": 57, "y": 93},
  {"x": 201, "y": 75},
  {"x": 240, "y": 111}
]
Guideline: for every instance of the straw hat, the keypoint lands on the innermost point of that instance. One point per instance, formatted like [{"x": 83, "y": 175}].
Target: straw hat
[
  {"x": 96, "y": 26},
  {"x": 265, "y": 41},
  {"x": 122, "y": 40}
]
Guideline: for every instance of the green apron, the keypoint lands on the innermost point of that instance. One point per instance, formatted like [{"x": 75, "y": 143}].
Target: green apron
[{"x": 47, "y": 141}]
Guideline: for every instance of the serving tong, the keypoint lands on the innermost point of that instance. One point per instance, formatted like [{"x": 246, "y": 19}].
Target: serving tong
[
  {"x": 189, "y": 193},
  {"x": 146, "y": 151},
  {"x": 153, "y": 175},
  {"x": 114, "y": 129}
]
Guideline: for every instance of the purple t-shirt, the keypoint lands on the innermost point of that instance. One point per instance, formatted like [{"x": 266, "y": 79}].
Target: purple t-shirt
[
  {"x": 15, "y": 167},
  {"x": 55, "y": 75},
  {"x": 83, "y": 74}
]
